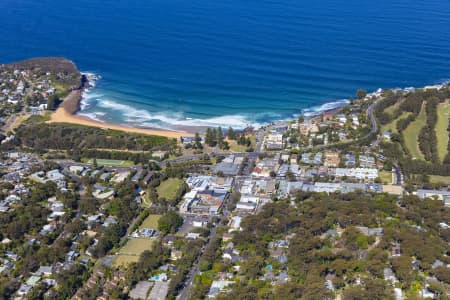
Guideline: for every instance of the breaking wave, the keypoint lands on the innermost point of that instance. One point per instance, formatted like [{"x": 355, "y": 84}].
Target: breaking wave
[{"x": 99, "y": 107}]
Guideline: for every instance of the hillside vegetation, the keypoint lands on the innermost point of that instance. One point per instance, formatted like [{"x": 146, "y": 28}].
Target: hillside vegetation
[
  {"x": 315, "y": 255},
  {"x": 76, "y": 141}
]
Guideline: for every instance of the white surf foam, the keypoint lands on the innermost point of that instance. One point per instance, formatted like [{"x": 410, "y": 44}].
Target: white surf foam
[
  {"x": 167, "y": 120},
  {"x": 134, "y": 115},
  {"x": 88, "y": 96},
  {"x": 316, "y": 110},
  {"x": 96, "y": 116}
]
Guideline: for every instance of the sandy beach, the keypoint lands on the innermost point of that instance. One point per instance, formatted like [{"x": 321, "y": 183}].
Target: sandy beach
[{"x": 66, "y": 114}]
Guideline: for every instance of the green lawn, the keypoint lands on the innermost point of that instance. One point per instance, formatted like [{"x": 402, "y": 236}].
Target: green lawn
[
  {"x": 443, "y": 113},
  {"x": 440, "y": 179},
  {"x": 392, "y": 126},
  {"x": 150, "y": 222},
  {"x": 111, "y": 162},
  {"x": 411, "y": 133},
  {"x": 132, "y": 250},
  {"x": 386, "y": 177},
  {"x": 234, "y": 147},
  {"x": 123, "y": 260},
  {"x": 391, "y": 109},
  {"x": 135, "y": 246},
  {"x": 169, "y": 188}
]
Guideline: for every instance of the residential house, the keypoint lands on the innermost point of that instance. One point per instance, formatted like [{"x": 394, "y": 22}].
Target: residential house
[
  {"x": 331, "y": 159},
  {"x": 217, "y": 287},
  {"x": 159, "y": 154},
  {"x": 274, "y": 141},
  {"x": 366, "y": 161},
  {"x": 434, "y": 194},
  {"x": 358, "y": 173},
  {"x": 228, "y": 166}
]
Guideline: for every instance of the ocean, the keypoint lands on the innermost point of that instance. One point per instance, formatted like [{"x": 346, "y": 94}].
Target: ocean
[{"x": 171, "y": 63}]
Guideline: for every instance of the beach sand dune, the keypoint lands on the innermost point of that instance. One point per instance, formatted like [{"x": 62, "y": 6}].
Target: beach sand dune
[{"x": 66, "y": 114}]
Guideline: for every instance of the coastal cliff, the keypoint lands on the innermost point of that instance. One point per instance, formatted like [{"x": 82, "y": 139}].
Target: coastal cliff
[{"x": 71, "y": 103}]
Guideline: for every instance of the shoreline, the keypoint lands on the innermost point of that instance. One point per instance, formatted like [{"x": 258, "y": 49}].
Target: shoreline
[
  {"x": 89, "y": 81},
  {"x": 66, "y": 113}
]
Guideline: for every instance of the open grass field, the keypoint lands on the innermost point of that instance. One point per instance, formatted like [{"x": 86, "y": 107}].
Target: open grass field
[
  {"x": 123, "y": 260},
  {"x": 391, "y": 109},
  {"x": 392, "y": 126},
  {"x": 386, "y": 177},
  {"x": 111, "y": 162},
  {"x": 411, "y": 134},
  {"x": 234, "y": 147},
  {"x": 132, "y": 249},
  {"x": 150, "y": 222},
  {"x": 169, "y": 188},
  {"x": 443, "y": 114},
  {"x": 440, "y": 179},
  {"x": 135, "y": 246}
]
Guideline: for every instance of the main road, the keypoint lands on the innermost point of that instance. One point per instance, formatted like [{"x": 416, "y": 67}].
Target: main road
[
  {"x": 184, "y": 294},
  {"x": 373, "y": 120}
]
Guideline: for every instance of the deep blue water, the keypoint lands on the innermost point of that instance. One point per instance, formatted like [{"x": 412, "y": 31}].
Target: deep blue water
[{"x": 231, "y": 61}]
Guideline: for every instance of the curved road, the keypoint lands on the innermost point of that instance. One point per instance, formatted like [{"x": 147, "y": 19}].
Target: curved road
[{"x": 373, "y": 120}]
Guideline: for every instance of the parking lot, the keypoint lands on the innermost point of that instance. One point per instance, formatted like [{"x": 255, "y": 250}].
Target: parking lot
[{"x": 188, "y": 223}]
